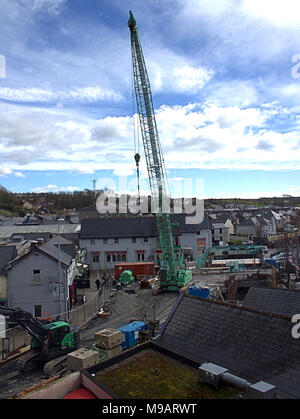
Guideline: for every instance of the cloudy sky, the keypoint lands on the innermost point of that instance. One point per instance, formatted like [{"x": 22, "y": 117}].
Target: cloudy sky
[{"x": 225, "y": 77}]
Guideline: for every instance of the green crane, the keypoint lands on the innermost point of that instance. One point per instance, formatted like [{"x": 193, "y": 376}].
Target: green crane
[{"x": 173, "y": 276}]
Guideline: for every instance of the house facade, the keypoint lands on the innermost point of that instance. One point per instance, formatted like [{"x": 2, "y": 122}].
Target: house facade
[
  {"x": 134, "y": 239},
  {"x": 7, "y": 254},
  {"x": 220, "y": 232},
  {"x": 36, "y": 279},
  {"x": 247, "y": 228}
]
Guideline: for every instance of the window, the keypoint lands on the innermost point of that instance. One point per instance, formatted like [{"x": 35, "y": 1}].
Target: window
[
  {"x": 105, "y": 240},
  {"x": 133, "y": 239},
  {"x": 38, "y": 311},
  {"x": 116, "y": 257},
  {"x": 116, "y": 239},
  {"x": 95, "y": 257},
  {"x": 92, "y": 241},
  {"x": 198, "y": 233},
  {"x": 36, "y": 275},
  {"x": 146, "y": 240},
  {"x": 141, "y": 256}
]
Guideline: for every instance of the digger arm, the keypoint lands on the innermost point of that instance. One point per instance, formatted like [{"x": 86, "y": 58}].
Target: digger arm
[{"x": 25, "y": 320}]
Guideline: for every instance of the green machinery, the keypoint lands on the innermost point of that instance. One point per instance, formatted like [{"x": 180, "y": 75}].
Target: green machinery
[
  {"x": 50, "y": 341},
  {"x": 126, "y": 277},
  {"x": 173, "y": 275}
]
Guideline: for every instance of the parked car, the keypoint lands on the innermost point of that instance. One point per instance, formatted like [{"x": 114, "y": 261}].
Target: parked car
[
  {"x": 282, "y": 255},
  {"x": 247, "y": 242}
]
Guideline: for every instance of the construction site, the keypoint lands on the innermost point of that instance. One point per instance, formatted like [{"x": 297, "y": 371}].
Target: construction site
[{"x": 215, "y": 325}]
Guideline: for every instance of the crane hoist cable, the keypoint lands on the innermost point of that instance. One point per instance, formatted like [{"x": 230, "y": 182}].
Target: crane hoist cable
[
  {"x": 136, "y": 138},
  {"x": 173, "y": 276}
]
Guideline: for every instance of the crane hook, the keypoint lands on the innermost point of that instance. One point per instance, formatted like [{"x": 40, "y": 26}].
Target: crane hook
[{"x": 137, "y": 158}]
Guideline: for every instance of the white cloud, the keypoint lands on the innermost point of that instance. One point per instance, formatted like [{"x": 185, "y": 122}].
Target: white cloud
[
  {"x": 51, "y": 6},
  {"x": 279, "y": 12},
  {"x": 124, "y": 170},
  {"x": 233, "y": 93},
  {"x": 5, "y": 171},
  {"x": 173, "y": 72},
  {"x": 82, "y": 168},
  {"x": 92, "y": 94},
  {"x": 197, "y": 135},
  {"x": 54, "y": 188},
  {"x": 194, "y": 8},
  {"x": 191, "y": 79},
  {"x": 20, "y": 174},
  {"x": 294, "y": 190}
]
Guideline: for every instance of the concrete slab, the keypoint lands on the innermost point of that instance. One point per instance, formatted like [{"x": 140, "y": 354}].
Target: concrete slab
[
  {"x": 82, "y": 358},
  {"x": 108, "y": 338}
]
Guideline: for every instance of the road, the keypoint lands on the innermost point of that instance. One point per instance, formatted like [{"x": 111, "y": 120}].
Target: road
[{"x": 123, "y": 306}]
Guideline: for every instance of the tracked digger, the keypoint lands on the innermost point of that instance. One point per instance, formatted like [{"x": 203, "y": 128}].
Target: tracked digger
[{"x": 50, "y": 341}]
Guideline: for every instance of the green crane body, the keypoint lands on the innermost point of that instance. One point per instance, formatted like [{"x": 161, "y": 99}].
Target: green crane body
[{"x": 173, "y": 276}]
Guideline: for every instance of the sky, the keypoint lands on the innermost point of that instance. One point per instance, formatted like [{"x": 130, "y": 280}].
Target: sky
[{"x": 225, "y": 79}]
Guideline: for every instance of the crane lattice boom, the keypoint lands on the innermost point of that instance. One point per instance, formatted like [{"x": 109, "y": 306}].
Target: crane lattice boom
[{"x": 172, "y": 275}]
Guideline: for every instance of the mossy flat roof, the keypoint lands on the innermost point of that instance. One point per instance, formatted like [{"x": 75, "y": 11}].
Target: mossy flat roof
[{"x": 150, "y": 374}]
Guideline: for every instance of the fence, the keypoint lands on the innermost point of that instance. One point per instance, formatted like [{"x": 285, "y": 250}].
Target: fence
[
  {"x": 13, "y": 339},
  {"x": 84, "y": 313}
]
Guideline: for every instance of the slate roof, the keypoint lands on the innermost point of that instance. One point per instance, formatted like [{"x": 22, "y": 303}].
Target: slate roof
[
  {"x": 247, "y": 222},
  {"x": 7, "y": 231},
  {"x": 50, "y": 250},
  {"x": 273, "y": 300},
  {"x": 53, "y": 251},
  {"x": 7, "y": 254},
  {"x": 66, "y": 245},
  {"x": 69, "y": 249},
  {"x": 30, "y": 236},
  {"x": 134, "y": 226},
  {"x": 251, "y": 345}
]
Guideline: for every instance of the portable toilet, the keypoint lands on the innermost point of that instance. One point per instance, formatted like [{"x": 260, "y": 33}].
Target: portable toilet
[{"x": 198, "y": 290}]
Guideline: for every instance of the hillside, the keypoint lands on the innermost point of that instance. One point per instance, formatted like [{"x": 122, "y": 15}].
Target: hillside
[{"x": 18, "y": 204}]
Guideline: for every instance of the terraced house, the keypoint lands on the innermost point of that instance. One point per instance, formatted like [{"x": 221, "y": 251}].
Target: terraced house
[{"x": 110, "y": 240}]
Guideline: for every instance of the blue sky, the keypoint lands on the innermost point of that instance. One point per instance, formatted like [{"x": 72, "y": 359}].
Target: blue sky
[{"x": 225, "y": 77}]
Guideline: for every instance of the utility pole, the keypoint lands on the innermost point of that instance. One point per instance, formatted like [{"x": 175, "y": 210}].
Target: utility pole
[
  {"x": 59, "y": 269},
  {"x": 94, "y": 186},
  {"x": 59, "y": 272}
]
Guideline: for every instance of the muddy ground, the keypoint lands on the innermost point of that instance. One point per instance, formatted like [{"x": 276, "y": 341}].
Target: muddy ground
[{"x": 124, "y": 307}]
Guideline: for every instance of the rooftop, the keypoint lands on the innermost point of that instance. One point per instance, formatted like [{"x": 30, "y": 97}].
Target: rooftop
[
  {"x": 151, "y": 374},
  {"x": 253, "y": 345},
  {"x": 135, "y": 226},
  {"x": 7, "y": 254},
  {"x": 273, "y": 300}
]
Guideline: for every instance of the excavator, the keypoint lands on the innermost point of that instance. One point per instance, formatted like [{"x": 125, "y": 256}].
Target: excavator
[{"x": 50, "y": 341}]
